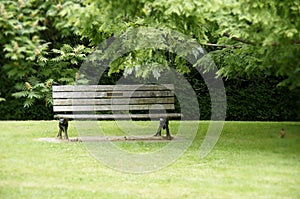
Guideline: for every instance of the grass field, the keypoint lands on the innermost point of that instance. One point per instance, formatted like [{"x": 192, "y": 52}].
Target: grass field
[{"x": 250, "y": 160}]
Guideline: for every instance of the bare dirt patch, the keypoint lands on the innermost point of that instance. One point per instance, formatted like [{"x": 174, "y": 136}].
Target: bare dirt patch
[{"x": 108, "y": 139}]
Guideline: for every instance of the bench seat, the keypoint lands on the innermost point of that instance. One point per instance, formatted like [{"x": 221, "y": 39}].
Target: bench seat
[{"x": 118, "y": 116}]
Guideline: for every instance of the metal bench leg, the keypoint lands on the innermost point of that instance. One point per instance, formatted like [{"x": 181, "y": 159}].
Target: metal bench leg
[
  {"x": 166, "y": 126},
  {"x": 59, "y": 132},
  {"x": 66, "y": 132},
  {"x": 163, "y": 124},
  {"x": 167, "y": 129},
  {"x": 63, "y": 127}
]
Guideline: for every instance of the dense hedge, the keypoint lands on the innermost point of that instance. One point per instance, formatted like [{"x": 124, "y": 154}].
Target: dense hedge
[
  {"x": 261, "y": 100},
  {"x": 252, "y": 100},
  {"x": 13, "y": 109}
]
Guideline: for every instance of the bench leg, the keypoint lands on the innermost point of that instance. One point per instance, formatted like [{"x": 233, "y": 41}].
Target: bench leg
[
  {"x": 167, "y": 129},
  {"x": 59, "y": 133},
  {"x": 63, "y": 127},
  {"x": 66, "y": 132},
  {"x": 163, "y": 124}
]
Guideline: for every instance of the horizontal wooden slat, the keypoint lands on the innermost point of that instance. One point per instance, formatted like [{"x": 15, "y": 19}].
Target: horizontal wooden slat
[
  {"x": 118, "y": 116},
  {"x": 112, "y": 107},
  {"x": 66, "y": 102},
  {"x": 125, "y": 94},
  {"x": 82, "y": 95},
  {"x": 94, "y": 88}
]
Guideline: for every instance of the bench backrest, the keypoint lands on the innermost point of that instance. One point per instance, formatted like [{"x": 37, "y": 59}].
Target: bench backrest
[{"x": 91, "y": 98}]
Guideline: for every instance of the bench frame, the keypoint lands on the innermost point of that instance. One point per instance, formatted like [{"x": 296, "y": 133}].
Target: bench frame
[{"x": 114, "y": 102}]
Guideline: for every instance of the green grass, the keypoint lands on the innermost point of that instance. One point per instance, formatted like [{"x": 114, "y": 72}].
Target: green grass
[{"x": 249, "y": 160}]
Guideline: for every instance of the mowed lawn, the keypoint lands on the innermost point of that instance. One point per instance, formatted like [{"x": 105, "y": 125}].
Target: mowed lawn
[{"x": 250, "y": 160}]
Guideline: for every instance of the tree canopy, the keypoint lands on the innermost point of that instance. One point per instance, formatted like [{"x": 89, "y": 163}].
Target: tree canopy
[
  {"x": 245, "y": 38},
  {"x": 42, "y": 42}
]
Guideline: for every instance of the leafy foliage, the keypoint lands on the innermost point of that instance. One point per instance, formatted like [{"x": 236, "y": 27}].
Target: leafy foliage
[
  {"x": 263, "y": 37},
  {"x": 37, "y": 91},
  {"x": 37, "y": 48},
  {"x": 251, "y": 38}
]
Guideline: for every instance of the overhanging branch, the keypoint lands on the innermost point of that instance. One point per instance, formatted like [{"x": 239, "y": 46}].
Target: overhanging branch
[
  {"x": 238, "y": 39},
  {"x": 292, "y": 42},
  {"x": 222, "y": 45}
]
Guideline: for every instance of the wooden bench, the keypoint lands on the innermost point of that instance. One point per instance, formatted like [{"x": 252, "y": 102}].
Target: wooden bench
[{"x": 114, "y": 102}]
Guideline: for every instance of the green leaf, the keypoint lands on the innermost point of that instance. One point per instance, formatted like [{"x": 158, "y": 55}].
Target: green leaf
[{"x": 20, "y": 94}]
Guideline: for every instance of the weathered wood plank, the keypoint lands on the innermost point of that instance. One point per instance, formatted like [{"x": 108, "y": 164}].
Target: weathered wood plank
[
  {"x": 118, "y": 116},
  {"x": 112, "y": 107},
  {"x": 125, "y": 94},
  {"x": 94, "y": 88},
  {"x": 66, "y": 102},
  {"x": 82, "y": 95}
]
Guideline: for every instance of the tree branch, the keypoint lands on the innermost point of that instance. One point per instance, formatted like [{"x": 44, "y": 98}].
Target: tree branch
[
  {"x": 222, "y": 45},
  {"x": 293, "y": 42},
  {"x": 238, "y": 39}
]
